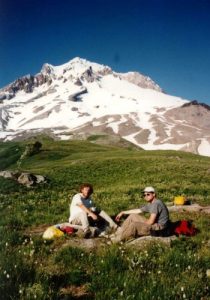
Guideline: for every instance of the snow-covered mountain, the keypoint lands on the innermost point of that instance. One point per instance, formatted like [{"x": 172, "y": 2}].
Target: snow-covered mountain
[{"x": 81, "y": 98}]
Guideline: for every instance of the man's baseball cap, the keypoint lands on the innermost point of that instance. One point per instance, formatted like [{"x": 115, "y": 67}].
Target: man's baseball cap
[{"x": 149, "y": 189}]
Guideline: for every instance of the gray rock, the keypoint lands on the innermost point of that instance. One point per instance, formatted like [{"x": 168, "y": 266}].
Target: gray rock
[
  {"x": 2, "y": 97},
  {"x": 206, "y": 210},
  {"x": 74, "y": 109},
  {"x": 9, "y": 174},
  {"x": 6, "y": 174},
  {"x": 27, "y": 179},
  {"x": 40, "y": 178},
  {"x": 10, "y": 96},
  {"x": 78, "y": 82},
  {"x": 86, "y": 244},
  {"x": 192, "y": 208},
  {"x": 145, "y": 240}
]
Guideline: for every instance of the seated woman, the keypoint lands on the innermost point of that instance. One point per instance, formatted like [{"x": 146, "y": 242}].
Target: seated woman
[
  {"x": 136, "y": 225},
  {"x": 83, "y": 213}
]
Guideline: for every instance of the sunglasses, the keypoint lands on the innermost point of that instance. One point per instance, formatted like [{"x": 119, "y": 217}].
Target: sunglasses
[{"x": 147, "y": 194}]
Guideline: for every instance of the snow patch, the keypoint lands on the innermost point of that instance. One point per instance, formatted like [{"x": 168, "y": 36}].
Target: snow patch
[{"x": 204, "y": 147}]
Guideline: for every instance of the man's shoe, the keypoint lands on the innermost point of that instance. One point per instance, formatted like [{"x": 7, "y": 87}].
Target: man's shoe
[
  {"x": 87, "y": 234},
  {"x": 103, "y": 234},
  {"x": 95, "y": 232}
]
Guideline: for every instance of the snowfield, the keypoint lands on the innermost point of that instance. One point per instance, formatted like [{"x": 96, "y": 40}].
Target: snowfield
[{"x": 82, "y": 95}]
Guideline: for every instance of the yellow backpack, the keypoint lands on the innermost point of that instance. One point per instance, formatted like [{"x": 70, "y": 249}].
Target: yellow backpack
[
  {"x": 51, "y": 233},
  {"x": 179, "y": 200}
]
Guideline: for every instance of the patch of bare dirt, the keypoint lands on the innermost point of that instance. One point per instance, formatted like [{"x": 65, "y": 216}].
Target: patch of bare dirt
[
  {"x": 78, "y": 292},
  {"x": 142, "y": 136},
  {"x": 37, "y": 230}
]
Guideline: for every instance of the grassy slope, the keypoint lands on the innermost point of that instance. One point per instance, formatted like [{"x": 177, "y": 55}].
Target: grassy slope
[{"x": 118, "y": 176}]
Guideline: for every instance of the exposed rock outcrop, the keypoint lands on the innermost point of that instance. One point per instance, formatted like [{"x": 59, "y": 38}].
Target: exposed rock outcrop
[
  {"x": 141, "y": 80},
  {"x": 27, "y": 179},
  {"x": 26, "y": 83},
  {"x": 190, "y": 208},
  {"x": 146, "y": 240},
  {"x": 196, "y": 103}
]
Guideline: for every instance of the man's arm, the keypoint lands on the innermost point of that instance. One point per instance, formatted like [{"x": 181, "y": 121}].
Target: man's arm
[
  {"x": 88, "y": 211},
  {"x": 151, "y": 219},
  {"x": 128, "y": 212}
]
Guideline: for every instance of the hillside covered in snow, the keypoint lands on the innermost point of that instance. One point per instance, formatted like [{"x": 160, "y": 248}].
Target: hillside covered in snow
[{"x": 81, "y": 98}]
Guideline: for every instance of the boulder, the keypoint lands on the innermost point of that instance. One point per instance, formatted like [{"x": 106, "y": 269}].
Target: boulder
[
  {"x": 27, "y": 179},
  {"x": 206, "y": 210},
  {"x": 6, "y": 174},
  {"x": 9, "y": 174},
  {"x": 40, "y": 178},
  {"x": 86, "y": 244},
  {"x": 191, "y": 208},
  {"x": 145, "y": 240}
]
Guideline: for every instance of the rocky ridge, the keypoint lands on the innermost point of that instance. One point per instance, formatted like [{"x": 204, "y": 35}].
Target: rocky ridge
[
  {"x": 82, "y": 98},
  {"x": 48, "y": 73}
]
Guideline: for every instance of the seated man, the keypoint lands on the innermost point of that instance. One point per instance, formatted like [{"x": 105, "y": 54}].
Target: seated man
[
  {"x": 83, "y": 212},
  {"x": 136, "y": 225}
]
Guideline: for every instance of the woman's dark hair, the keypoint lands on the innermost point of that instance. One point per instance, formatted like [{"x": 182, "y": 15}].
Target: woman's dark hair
[{"x": 86, "y": 185}]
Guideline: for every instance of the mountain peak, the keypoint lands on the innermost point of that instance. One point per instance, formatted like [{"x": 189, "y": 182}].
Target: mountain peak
[
  {"x": 77, "y": 70},
  {"x": 47, "y": 69},
  {"x": 78, "y": 59},
  {"x": 80, "y": 98},
  {"x": 80, "y": 65}
]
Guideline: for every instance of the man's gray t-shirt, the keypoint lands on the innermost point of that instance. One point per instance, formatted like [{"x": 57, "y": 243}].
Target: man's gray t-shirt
[{"x": 159, "y": 208}]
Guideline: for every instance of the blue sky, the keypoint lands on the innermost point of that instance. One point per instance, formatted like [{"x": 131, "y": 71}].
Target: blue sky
[{"x": 168, "y": 40}]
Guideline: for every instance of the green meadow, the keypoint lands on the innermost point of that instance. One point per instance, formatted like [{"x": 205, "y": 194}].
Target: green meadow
[{"x": 31, "y": 268}]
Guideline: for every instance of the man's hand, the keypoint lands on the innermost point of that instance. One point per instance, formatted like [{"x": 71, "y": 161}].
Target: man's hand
[
  {"x": 88, "y": 211},
  {"x": 151, "y": 219},
  {"x": 119, "y": 216},
  {"x": 93, "y": 216}
]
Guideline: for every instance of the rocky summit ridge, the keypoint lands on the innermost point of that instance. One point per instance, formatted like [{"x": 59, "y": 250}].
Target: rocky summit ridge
[{"x": 82, "y": 98}]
